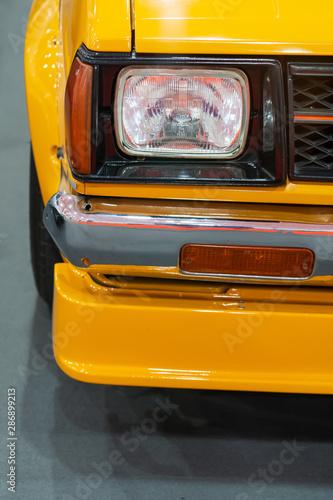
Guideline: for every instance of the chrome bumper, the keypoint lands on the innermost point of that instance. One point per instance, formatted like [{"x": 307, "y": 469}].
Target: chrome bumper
[{"x": 87, "y": 238}]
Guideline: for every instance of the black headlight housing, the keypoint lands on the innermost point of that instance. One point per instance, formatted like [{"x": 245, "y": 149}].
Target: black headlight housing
[{"x": 262, "y": 162}]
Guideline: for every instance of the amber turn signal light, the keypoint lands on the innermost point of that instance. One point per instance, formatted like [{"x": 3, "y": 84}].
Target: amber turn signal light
[
  {"x": 274, "y": 262},
  {"x": 78, "y": 116}
]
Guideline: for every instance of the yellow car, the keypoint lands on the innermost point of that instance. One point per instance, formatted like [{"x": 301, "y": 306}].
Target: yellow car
[{"x": 181, "y": 190}]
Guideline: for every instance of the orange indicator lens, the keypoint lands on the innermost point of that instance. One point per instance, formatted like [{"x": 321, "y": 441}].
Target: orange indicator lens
[{"x": 247, "y": 261}]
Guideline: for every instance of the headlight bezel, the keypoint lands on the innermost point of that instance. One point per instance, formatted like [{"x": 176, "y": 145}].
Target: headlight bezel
[{"x": 261, "y": 168}]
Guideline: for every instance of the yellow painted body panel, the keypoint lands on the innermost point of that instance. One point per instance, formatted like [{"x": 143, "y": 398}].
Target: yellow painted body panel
[
  {"x": 263, "y": 339},
  {"x": 100, "y": 25},
  {"x": 300, "y": 193},
  {"x": 41, "y": 89},
  {"x": 234, "y": 26},
  {"x": 175, "y": 274}
]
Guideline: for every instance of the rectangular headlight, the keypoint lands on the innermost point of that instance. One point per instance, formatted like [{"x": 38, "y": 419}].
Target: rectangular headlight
[
  {"x": 174, "y": 119},
  {"x": 173, "y": 112}
]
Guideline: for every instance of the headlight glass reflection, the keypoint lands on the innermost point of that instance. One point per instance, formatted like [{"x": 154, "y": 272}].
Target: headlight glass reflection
[{"x": 182, "y": 112}]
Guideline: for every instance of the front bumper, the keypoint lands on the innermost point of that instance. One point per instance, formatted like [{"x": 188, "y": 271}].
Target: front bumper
[
  {"x": 90, "y": 236},
  {"x": 188, "y": 334},
  {"x": 241, "y": 338}
]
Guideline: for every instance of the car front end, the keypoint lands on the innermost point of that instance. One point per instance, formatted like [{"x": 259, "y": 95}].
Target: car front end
[{"x": 185, "y": 157}]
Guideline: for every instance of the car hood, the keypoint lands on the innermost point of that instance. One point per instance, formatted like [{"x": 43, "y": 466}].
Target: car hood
[{"x": 234, "y": 26}]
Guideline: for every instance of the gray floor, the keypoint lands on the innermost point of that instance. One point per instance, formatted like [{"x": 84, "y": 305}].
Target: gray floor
[{"x": 212, "y": 446}]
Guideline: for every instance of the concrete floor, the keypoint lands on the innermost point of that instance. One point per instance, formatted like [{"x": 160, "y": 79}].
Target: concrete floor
[{"x": 212, "y": 446}]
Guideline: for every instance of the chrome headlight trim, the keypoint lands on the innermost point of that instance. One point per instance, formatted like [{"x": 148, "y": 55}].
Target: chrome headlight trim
[{"x": 195, "y": 71}]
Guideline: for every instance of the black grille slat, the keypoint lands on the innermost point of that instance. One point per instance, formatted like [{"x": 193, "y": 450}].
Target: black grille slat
[
  {"x": 313, "y": 92},
  {"x": 311, "y": 107},
  {"x": 313, "y": 147}
]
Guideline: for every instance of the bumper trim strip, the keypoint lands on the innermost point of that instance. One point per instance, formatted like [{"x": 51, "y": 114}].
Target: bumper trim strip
[{"x": 107, "y": 238}]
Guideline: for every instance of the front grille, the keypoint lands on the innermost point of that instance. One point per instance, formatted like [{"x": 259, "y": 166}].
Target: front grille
[
  {"x": 313, "y": 149},
  {"x": 311, "y": 98},
  {"x": 313, "y": 92}
]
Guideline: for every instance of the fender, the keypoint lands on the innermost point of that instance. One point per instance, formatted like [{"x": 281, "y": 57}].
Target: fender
[{"x": 41, "y": 90}]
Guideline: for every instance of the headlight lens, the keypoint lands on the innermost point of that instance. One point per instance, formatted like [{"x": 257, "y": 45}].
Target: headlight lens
[{"x": 182, "y": 112}]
